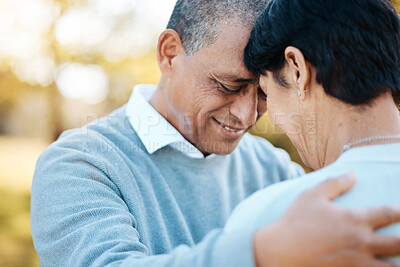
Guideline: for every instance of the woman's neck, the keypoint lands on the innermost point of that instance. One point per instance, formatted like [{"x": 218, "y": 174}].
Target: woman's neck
[{"x": 353, "y": 123}]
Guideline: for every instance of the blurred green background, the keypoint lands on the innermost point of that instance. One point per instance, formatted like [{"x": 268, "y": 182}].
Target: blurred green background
[{"x": 64, "y": 63}]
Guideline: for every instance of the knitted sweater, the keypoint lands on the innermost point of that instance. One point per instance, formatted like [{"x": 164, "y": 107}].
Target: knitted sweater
[{"x": 100, "y": 199}]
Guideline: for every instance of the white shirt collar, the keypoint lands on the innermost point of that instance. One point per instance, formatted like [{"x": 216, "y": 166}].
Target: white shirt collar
[{"x": 154, "y": 130}]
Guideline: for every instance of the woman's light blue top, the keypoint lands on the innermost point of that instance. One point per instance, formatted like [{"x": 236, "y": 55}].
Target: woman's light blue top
[{"x": 378, "y": 183}]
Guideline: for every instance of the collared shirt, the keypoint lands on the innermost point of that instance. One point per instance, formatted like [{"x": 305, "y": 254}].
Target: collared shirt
[{"x": 153, "y": 129}]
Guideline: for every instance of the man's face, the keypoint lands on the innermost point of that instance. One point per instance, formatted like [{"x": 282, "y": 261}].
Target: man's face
[{"x": 213, "y": 97}]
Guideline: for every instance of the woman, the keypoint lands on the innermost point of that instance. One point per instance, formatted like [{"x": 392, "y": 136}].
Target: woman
[{"x": 331, "y": 71}]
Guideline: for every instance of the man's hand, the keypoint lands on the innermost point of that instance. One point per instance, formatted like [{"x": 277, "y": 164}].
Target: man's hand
[{"x": 316, "y": 232}]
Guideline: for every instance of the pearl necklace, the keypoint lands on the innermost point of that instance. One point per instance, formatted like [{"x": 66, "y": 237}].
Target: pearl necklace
[{"x": 369, "y": 139}]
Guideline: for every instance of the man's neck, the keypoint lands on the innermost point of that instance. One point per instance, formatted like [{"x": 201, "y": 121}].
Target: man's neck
[
  {"x": 159, "y": 103},
  {"x": 353, "y": 123}
]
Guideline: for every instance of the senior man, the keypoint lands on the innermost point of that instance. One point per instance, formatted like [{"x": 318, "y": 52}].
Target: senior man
[{"x": 153, "y": 183}]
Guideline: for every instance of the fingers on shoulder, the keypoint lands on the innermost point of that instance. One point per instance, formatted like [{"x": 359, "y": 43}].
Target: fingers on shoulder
[
  {"x": 334, "y": 187},
  {"x": 378, "y": 217}
]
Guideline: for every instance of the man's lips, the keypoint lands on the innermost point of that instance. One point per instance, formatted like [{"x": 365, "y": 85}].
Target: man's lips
[{"x": 230, "y": 128}]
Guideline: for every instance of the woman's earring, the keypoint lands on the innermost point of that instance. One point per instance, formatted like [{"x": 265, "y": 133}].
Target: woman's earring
[{"x": 299, "y": 93}]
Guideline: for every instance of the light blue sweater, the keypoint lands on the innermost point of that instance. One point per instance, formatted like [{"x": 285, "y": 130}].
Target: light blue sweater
[
  {"x": 99, "y": 198},
  {"x": 378, "y": 184}
]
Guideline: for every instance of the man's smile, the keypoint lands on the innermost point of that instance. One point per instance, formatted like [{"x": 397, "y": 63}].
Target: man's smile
[{"x": 230, "y": 131}]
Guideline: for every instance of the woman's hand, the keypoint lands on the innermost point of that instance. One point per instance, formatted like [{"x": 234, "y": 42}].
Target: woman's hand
[{"x": 316, "y": 232}]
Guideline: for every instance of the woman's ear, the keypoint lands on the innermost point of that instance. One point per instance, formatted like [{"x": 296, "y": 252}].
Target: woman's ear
[
  {"x": 168, "y": 48},
  {"x": 298, "y": 68}
]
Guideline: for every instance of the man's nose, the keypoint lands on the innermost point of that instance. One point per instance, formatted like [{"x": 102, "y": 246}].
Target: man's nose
[{"x": 245, "y": 106}]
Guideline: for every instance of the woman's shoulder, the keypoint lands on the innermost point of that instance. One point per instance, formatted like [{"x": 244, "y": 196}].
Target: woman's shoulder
[{"x": 267, "y": 205}]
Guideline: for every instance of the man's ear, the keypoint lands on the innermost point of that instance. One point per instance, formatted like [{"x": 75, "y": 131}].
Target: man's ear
[
  {"x": 168, "y": 48},
  {"x": 299, "y": 69}
]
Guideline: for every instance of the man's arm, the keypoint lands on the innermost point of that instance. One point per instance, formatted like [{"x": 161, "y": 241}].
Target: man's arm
[
  {"x": 316, "y": 232},
  {"x": 79, "y": 218}
]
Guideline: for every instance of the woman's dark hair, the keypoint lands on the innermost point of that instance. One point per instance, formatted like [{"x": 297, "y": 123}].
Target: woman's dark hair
[{"x": 353, "y": 44}]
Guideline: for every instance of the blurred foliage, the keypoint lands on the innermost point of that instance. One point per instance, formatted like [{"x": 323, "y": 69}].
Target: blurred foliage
[
  {"x": 15, "y": 237},
  {"x": 100, "y": 34},
  {"x": 396, "y": 4}
]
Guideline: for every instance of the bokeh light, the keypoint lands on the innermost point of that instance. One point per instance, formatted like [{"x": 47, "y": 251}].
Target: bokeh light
[{"x": 89, "y": 83}]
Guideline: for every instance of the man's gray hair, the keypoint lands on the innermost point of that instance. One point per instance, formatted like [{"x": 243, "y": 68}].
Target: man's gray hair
[{"x": 198, "y": 21}]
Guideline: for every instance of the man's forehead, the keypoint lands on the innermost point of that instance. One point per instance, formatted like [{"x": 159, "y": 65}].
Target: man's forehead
[
  {"x": 228, "y": 38},
  {"x": 224, "y": 59}
]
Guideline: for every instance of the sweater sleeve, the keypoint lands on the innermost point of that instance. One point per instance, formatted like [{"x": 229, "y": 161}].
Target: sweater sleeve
[
  {"x": 79, "y": 218},
  {"x": 273, "y": 161}
]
